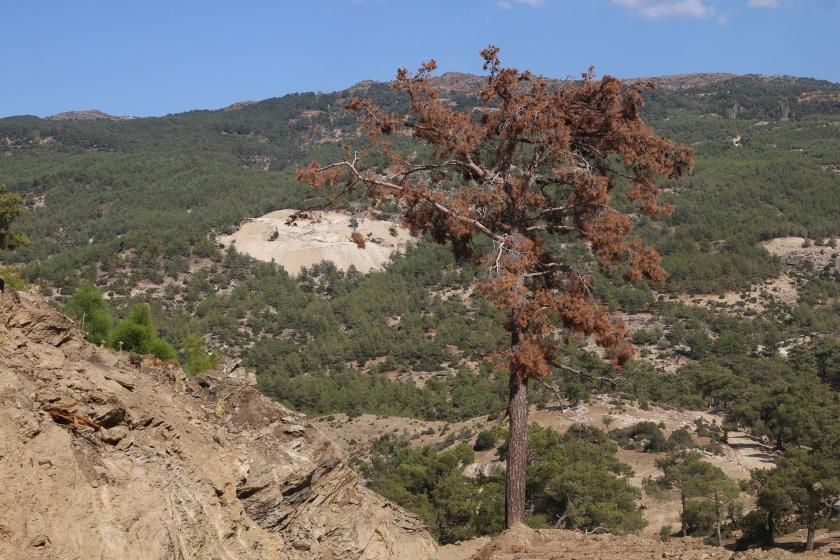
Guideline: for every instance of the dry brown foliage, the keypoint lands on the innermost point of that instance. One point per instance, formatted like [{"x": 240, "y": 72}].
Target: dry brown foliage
[
  {"x": 153, "y": 361},
  {"x": 537, "y": 160},
  {"x": 63, "y": 414},
  {"x": 358, "y": 239}
]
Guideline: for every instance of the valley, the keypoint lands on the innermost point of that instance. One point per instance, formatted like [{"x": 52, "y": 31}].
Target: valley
[
  {"x": 737, "y": 457},
  {"x": 379, "y": 336}
]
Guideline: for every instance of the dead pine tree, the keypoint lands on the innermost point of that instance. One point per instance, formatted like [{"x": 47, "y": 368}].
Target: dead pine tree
[{"x": 534, "y": 161}]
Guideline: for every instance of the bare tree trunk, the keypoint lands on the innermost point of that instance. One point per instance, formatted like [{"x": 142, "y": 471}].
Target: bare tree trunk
[
  {"x": 684, "y": 525},
  {"x": 517, "y": 452},
  {"x": 771, "y": 527},
  {"x": 812, "y": 528},
  {"x": 717, "y": 525}
]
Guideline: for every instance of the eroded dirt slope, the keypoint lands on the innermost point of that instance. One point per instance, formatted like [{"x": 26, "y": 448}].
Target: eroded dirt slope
[
  {"x": 164, "y": 467},
  {"x": 321, "y": 236}
]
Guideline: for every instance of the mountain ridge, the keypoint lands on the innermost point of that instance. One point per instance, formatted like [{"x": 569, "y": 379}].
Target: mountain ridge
[
  {"x": 86, "y": 115},
  {"x": 455, "y": 81}
]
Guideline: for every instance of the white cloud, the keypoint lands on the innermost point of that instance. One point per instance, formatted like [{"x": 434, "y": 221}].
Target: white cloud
[
  {"x": 763, "y": 3},
  {"x": 656, "y": 9},
  {"x": 508, "y": 4}
]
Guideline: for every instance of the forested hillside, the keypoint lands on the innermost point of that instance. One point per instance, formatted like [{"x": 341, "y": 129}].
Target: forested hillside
[
  {"x": 133, "y": 207},
  {"x": 109, "y": 195},
  {"x": 123, "y": 217}
]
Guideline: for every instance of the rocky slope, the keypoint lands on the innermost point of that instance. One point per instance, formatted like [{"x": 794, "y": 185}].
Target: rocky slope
[
  {"x": 110, "y": 456},
  {"x": 104, "y": 455}
]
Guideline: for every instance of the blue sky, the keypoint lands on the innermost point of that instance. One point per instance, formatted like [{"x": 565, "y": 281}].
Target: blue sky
[{"x": 154, "y": 57}]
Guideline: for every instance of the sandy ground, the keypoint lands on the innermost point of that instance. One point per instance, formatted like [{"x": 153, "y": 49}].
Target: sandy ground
[
  {"x": 521, "y": 542},
  {"x": 323, "y": 237},
  {"x": 787, "y": 246},
  {"x": 783, "y": 289}
]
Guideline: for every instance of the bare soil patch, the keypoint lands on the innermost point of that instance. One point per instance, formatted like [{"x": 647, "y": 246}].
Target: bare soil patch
[
  {"x": 799, "y": 252},
  {"x": 552, "y": 544},
  {"x": 323, "y": 236}
]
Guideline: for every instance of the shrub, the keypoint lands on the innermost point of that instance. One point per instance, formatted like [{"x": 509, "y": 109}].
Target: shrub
[
  {"x": 680, "y": 439},
  {"x": 646, "y": 336},
  {"x": 665, "y": 533},
  {"x": 485, "y": 440},
  {"x": 13, "y": 278},
  {"x": 646, "y": 436},
  {"x": 754, "y": 528},
  {"x": 138, "y": 334},
  {"x": 89, "y": 308},
  {"x": 196, "y": 358}
]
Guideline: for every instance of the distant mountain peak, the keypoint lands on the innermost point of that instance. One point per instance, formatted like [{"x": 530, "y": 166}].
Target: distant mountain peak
[
  {"x": 238, "y": 105},
  {"x": 86, "y": 115},
  {"x": 678, "y": 82}
]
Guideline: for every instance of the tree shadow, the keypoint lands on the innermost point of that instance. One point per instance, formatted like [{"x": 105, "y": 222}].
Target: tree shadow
[{"x": 826, "y": 543}]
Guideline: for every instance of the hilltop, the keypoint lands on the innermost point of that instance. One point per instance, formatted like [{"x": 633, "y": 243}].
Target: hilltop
[{"x": 88, "y": 115}]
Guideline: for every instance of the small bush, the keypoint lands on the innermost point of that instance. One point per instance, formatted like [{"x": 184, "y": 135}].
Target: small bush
[
  {"x": 665, "y": 533},
  {"x": 647, "y": 336},
  {"x": 13, "y": 278},
  {"x": 680, "y": 439},
  {"x": 485, "y": 440},
  {"x": 644, "y": 436}
]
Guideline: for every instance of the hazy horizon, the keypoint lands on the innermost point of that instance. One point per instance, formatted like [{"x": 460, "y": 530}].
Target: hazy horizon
[{"x": 155, "y": 59}]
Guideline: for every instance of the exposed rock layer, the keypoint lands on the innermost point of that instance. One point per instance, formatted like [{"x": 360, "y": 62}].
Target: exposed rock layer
[{"x": 181, "y": 468}]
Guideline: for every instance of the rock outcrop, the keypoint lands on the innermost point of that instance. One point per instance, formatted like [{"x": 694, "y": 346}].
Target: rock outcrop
[{"x": 105, "y": 455}]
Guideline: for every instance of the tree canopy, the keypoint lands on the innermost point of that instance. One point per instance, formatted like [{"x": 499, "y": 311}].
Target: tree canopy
[
  {"x": 696, "y": 479},
  {"x": 11, "y": 208},
  {"x": 805, "y": 484},
  {"x": 529, "y": 171}
]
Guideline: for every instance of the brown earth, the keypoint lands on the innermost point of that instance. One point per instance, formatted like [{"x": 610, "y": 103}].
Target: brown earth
[
  {"x": 781, "y": 290},
  {"x": 521, "y": 543},
  {"x": 798, "y": 255},
  {"x": 741, "y": 455},
  {"x": 104, "y": 455}
]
